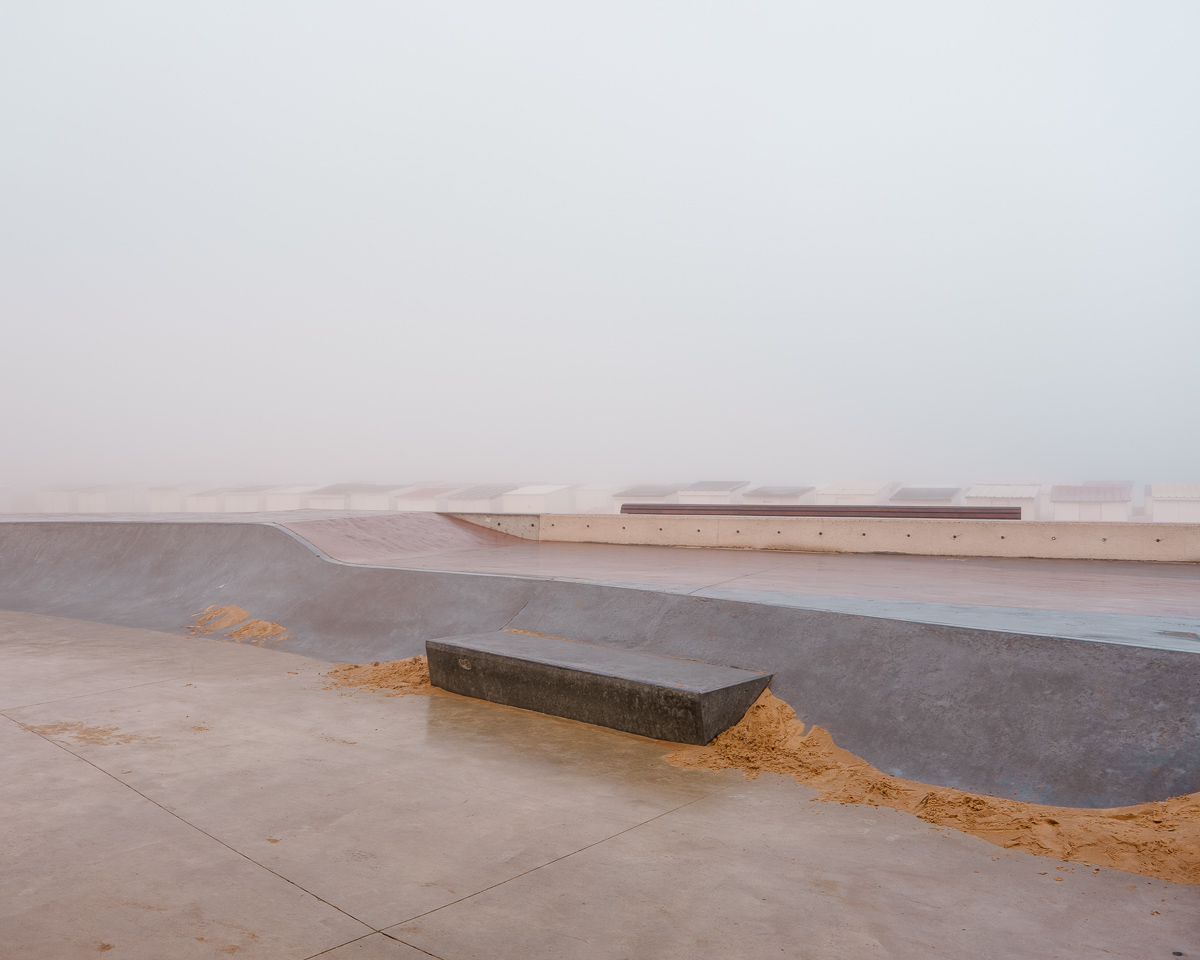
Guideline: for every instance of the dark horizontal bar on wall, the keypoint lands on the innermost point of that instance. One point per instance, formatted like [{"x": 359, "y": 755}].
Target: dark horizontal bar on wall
[{"x": 820, "y": 510}]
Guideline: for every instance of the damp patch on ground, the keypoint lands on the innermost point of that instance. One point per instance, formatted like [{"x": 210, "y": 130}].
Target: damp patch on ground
[{"x": 1159, "y": 839}]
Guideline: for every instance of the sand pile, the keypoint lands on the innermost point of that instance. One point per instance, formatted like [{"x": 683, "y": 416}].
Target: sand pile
[
  {"x": 1160, "y": 839},
  {"x": 397, "y": 677},
  {"x": 214, "y": 619}
]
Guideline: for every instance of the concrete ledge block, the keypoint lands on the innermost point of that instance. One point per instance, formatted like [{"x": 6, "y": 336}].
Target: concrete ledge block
[{"x": 679, "y": 700}]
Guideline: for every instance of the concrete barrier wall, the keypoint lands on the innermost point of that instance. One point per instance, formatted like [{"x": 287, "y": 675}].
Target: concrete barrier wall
[
  {"x": 1039, "y": 718},
  {"x": 1179, "y": 542}
]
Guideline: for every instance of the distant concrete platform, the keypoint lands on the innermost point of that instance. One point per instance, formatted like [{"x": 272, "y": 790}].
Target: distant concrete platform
[
  {"x": 659, "y": 697},
  {"x": 193, "y": 799}
]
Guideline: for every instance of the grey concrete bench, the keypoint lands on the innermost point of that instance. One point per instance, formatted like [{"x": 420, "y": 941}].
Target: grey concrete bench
[{"x": 679, "y": 700}]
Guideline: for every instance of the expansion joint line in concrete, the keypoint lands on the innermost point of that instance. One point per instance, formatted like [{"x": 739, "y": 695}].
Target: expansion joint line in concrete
[
  {"x": 382, "y": 933},
  {"x": 92, "y": 693},
  {"x": 524, "y": 607},
  {"x": 565, "y": 856}
]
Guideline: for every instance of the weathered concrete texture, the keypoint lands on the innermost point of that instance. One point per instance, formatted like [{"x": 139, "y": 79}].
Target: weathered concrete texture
[
  {"x": 1036, "y": 717},
  {"x": 191, "y": 799},
  {"x": 660, "y": 697},
  {"x": 158, "y": 576}
]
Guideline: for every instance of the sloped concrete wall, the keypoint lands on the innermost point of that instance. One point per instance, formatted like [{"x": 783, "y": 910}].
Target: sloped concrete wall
[
  {"x": 1039, "y": 718},
  {"x": 158, "y": 576}
]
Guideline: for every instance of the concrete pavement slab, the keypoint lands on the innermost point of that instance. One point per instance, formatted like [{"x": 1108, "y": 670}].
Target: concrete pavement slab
[{"x": 758, "y": 871}]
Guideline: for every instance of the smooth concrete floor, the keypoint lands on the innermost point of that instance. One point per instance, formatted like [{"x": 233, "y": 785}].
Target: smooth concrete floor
[{"x": 199, "y": 798}]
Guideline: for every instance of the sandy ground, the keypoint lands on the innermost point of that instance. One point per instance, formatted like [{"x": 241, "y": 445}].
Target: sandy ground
[{"x": 169, "y": 796}]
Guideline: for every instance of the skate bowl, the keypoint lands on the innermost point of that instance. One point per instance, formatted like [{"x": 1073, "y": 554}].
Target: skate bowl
[{"x": 1035, "y": 716}]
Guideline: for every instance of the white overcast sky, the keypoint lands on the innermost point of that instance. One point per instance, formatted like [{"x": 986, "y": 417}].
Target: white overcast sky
[{"x": 796, "y": 241}]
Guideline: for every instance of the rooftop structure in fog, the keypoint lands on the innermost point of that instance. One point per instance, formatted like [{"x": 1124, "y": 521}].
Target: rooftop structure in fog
[
  {"x": 647, "y": 493},
  {"x": 765, "y": 496},
  {"x": 650, "y": 491},
  {"x": 427, "y": 498},
  {"x": 1173, "y": 502},
  {"x": 539, "y": 498},
  {"x": 1027, "y": 496},
  {"x": 479, "y": 499},
  {"x": 1094, "y": 500},
  {"x": 1004, "y": 491},
  {"x": 855, "y": 494},
  {"x": 927, "y": 496},
  {"x": 712, "y": 491}
]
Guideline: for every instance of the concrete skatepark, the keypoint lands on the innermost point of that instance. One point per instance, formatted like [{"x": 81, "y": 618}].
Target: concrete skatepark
[{"x": 1060, "y": 681}]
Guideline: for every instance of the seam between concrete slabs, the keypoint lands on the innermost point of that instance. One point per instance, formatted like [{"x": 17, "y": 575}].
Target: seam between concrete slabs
[
  {"x": 364, "y": 937},
  {"x": 381, "y": 930},
  {"x": 232, "y": 849},
  {"x": 565, "y": 856},
  {"x": 90, "y": 693}
]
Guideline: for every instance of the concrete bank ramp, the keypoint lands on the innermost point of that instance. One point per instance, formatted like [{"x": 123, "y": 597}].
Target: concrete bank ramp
[{"x": 1034, "y": 717}]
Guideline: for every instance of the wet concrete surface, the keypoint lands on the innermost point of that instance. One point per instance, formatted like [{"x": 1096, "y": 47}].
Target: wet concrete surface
[{"x": 190, "y": 797}]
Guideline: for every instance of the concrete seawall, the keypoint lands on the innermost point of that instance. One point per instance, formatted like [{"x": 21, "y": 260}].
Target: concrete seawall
[
  {"x": 1037, "y": 717},
  {"x": 1172, "y": 542}
]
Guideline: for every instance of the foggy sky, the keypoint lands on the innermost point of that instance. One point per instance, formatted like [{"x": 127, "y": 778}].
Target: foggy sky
[{"x": 791, "y": 241}]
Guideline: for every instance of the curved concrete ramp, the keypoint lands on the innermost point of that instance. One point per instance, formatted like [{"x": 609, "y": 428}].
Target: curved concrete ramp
[{"x": 1036, "y": 717}]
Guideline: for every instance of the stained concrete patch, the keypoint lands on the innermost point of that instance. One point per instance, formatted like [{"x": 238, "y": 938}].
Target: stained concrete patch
[{"x": 80, "y": 733}]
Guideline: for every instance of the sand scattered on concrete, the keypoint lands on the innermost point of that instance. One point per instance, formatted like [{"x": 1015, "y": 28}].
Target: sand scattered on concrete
[
  {"x": 1160, "y": 839},
  {"x": 397, "y": 678},
  {"x": 81, "y": 733},
  {"x": 237, "y": 625},
  {"x": 214, "y": 618},
  {"x": 258, "y": 630}
]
